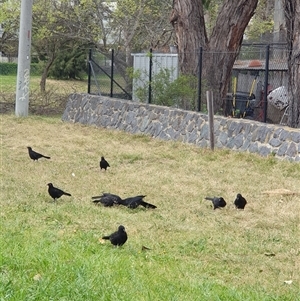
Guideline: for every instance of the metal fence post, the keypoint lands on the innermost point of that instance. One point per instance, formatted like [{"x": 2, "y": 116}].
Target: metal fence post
[
  {"x": 112, "y": 72},
  {"x": 89, "y": 71},
  {"x": 150, "y": 77},
  {"x": 199, "y": 79},
  {"x": 266, "y": 82}
]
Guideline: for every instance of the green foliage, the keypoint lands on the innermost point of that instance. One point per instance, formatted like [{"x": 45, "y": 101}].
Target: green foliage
[
  {"x": 69, "y": 64},
  {"x": 166, "y": 91},
  {"x": 259, "y": 27},
  {"x": 212, "y": 9},
  {"x": 142, "y": 24},
  {"x": 8, "y": 68},
  {"x": 262, "y": 22},
  {"x": 12, "y": 68}
]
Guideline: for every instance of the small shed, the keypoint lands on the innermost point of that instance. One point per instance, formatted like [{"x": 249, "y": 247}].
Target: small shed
[{"x": 160, "y": 61}]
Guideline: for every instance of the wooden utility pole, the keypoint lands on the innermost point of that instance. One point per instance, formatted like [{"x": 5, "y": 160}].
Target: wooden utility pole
[{"x": 210, "y": 108}]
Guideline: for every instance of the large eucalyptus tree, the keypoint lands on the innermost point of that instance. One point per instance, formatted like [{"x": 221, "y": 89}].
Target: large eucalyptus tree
[{"x": 224, "y": 42}]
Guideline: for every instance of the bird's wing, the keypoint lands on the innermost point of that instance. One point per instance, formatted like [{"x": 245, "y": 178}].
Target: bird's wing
[
  {"x": 107, "y": 195},
  {"x": 58, "y": 191},
  {"x": 133, "y": 201}
]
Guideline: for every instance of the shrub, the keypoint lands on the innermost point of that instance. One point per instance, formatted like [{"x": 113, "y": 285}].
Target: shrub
[
  {"x": 180, "y": 92},
  {"x": 69, "y": 64},
  {"x": 12, "y": 69},
  {"x": 8, "y": 68}
]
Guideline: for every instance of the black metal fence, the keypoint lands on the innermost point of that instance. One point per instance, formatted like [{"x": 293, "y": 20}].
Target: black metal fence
[
  {"x": 104, "y": 76},
  {"x": 257, "y": 89},
  {"x": 259, "y": 81}
]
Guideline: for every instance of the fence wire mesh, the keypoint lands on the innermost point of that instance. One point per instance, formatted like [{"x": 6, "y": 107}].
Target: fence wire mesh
[
  {"x": 257, "y": 88},
  {"x": 106, "y": 77}
]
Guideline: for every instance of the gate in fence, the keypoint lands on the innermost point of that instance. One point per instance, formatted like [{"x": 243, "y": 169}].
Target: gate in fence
[{"x": 104, "y": 77}]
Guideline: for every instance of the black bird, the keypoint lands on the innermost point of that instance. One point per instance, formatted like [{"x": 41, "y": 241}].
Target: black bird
[
  {"x": 240, "y": 202},
  {"x": 34, "y": 155},
  {"x": 107, "y": 199},
  {"x": 217, "y": 202},
  {"x": 134, "y": 202},
  {"x": 117, "y": 238},
  {"x": 56, "y": 193},
  {"x": 103, "y": 163}
]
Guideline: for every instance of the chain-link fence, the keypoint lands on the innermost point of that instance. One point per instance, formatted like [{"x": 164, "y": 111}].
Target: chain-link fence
[
  {"x": 257, "y": 88},
  {"x": 106, "y": 76},
  {"x": 259, "y": 82}
]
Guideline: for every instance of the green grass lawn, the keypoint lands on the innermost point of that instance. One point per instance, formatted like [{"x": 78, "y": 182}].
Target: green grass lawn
[
  {"x": 54, "y": 251},
  {"x": 8, "y": 84},
  {"x": 52, "y": 102}
]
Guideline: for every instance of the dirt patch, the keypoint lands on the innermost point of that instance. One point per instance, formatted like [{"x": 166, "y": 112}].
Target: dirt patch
[{"x": 6, "y": 107}]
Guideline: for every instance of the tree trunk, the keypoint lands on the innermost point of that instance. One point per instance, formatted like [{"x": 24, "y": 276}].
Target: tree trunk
[
  {"x": 222, "y": 47},
  {"x": 187, "y": 19},
  {"x": 45, "y": 73},
  {"x": 292, "y": 15}
]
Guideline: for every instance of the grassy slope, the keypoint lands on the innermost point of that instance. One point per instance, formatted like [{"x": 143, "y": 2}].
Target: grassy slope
[
  {"x": 53, "y": 251},
  {"x": 8, "y": 84},
  {"x": 52, "y": 102}
]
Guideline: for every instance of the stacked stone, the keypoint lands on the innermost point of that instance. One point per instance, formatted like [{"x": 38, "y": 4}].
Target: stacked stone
[{"x": 186, "y": 126}]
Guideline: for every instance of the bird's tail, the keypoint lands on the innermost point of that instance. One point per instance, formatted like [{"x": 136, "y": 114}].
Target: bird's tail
[
  {"x": 46, "y": 157},
  {"x": 209, "y": 198},
  {"x": 65, "y": 193},
  {"x": 105, "y": 237},
  {"x": 96, "y": 201},
  {"x": 97, "y": 197},
  {"x": 147, "y": 205}
]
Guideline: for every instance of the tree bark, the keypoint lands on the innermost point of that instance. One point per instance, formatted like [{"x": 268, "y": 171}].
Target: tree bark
[
  {"x": 45, "y": 72},
  {"x": 187, "y": 18},
  {"x": 292, "y": 16},
  {"x": 222, "y": 47}
]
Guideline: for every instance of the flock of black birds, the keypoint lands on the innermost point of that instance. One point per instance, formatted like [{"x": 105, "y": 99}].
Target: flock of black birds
[
  {"x": 119, "y": 237},
  {"x": 219, "y": 202}
]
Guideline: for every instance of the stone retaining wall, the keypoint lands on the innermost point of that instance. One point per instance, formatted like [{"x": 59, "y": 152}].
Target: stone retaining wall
[{"x": 186, "y": 126}]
